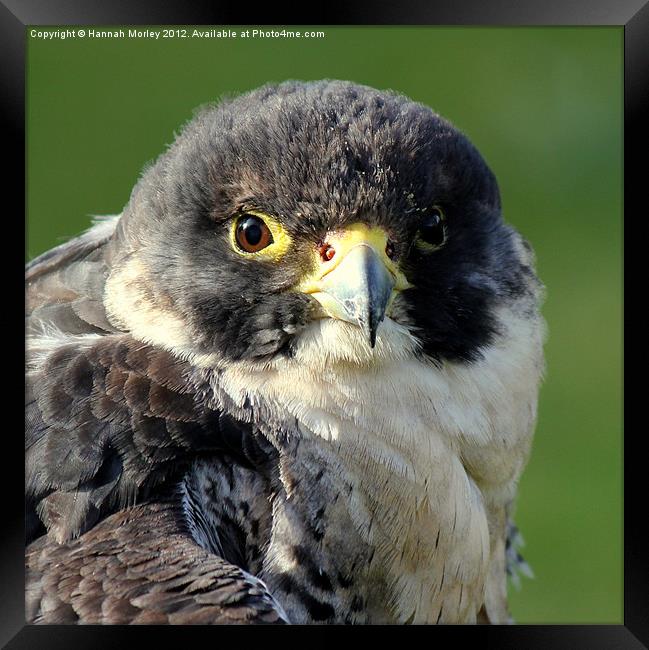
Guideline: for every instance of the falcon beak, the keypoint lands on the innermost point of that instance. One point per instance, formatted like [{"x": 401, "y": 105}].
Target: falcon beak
[
  {"x": 358, "y": 282},
  {"x": 358, "y": 290}
]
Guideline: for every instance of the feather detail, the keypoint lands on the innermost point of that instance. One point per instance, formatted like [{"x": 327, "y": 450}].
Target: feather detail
[{"x": 141, "y": 567}]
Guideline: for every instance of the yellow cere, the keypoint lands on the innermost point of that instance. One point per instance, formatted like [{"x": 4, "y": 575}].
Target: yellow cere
[
  {"x": 343, "y": 241},
  {"x": 276, "y": 250}
]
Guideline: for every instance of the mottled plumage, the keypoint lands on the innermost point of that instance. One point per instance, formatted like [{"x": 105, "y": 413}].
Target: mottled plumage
[{"x": 328, "y": 429}]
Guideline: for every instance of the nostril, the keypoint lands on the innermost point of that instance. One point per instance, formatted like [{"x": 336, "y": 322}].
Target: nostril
[{"x": 327, "y": 252}]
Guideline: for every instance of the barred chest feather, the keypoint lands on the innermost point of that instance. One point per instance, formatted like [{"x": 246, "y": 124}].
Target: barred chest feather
[{"x": 396, "y": 478}]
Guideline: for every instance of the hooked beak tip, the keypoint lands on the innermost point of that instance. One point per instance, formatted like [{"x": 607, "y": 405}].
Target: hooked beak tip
[{"x": 371, "y": 326}]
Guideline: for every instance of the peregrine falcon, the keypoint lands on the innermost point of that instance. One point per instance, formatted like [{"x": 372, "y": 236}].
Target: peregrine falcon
[{"x": 294, "y": 381}]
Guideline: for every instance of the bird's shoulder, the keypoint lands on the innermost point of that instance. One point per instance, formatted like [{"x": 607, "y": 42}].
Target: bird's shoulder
[
  {"x": 114, "y": 428},
  {"x": 110, "y": 418}
]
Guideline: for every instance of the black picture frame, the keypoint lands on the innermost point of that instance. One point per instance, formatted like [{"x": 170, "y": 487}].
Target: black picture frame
[{"x": 632, "y": 15}]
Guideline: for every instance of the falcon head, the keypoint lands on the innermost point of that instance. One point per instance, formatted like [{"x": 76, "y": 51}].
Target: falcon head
[{"x": 324, "y": 219}]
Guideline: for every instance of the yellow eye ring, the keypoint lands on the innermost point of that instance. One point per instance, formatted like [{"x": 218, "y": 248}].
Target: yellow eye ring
[{"x": 255, "y": 234}]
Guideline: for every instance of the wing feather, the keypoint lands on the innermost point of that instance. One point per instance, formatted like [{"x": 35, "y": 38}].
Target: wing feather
[
  {"x": 141, "y": 566},
  {"x": 109, "y": 421},
  {"x": 65, "y": 285}
]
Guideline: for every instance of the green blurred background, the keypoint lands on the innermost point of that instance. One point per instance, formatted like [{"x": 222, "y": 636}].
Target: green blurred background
[{"x": 543, "y": 105}]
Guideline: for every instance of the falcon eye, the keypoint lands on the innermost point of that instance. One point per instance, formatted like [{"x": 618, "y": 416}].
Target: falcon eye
[
  {"x": 259, "y": 236},
  {"x": 432, "y": 231},
  {"x": 252, "y": 234}
]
